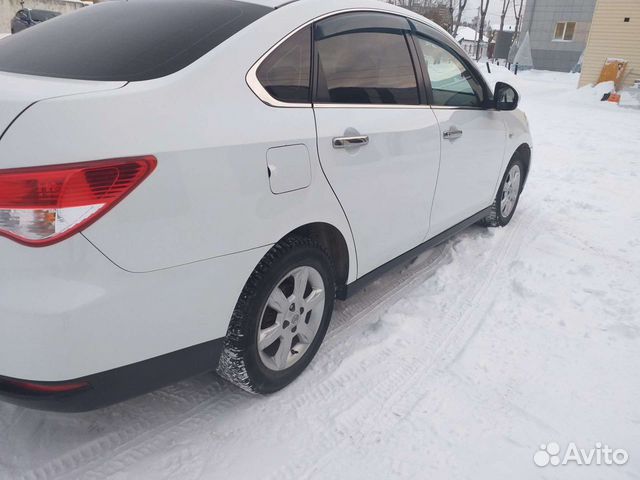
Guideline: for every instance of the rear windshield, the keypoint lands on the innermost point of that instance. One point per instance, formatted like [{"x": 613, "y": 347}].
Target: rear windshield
[
  {"x": 126, "y": 40},
  {"x": 42, "y": 15}
]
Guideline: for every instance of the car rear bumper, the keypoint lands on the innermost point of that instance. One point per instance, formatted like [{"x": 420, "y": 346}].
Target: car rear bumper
[
  {"x": 106, "y": 388},
  {"x": 67, "y": 313}
]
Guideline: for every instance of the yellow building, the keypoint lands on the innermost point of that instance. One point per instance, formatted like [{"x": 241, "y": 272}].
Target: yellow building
[{"x": 615, "y": 33}]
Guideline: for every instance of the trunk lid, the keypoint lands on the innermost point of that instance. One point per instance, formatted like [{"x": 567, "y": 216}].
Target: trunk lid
[{"x": 18, "y": 92}]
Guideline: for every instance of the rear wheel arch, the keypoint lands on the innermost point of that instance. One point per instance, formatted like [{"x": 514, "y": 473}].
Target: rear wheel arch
[{"x": 333, "y": 242}]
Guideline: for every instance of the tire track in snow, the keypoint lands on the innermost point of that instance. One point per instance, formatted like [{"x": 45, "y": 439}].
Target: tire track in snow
[
  {"x": 389, "y": 400},
  {"x": 136, "y": 439},
  {"x": 120, "y": 450},
  {"x": 420, "y": 387},
  {"x": 142, "y": 422},
  {"x": 472, "y": 313}
]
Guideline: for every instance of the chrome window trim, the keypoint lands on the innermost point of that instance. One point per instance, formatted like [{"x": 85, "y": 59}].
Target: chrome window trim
[
  {"x": 423, "y": 106},
  {"x": 384, "y": 106},
  {"x": 260, "y": 92},
  {"x": 453, "y": 107}
]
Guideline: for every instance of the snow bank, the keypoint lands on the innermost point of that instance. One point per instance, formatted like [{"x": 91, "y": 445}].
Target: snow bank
[
  {"x": 630, "y": 97},
  {"x": 592, "y": 93}
]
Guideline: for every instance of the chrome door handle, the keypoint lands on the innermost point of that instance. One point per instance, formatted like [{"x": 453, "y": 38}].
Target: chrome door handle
[
  {"x": 452, "y": 134},
  {"x": 346, "y": 142}
]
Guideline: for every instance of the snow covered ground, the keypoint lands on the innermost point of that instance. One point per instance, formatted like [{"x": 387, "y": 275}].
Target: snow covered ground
[{"x": 459, "y": 366}]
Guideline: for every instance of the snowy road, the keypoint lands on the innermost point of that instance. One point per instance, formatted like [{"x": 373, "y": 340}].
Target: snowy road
[{"x": 459, "y": 366}]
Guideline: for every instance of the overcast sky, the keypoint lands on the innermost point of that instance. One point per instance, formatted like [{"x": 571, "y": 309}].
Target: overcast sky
[{"x": 493, "y": 15}]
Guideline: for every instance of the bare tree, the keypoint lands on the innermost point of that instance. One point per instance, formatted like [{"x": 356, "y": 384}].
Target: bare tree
[
  {"x": 446, "y": 13},
  {"x": 451, "y": 19},
  {"x": 462, "y": 4},
  {"x": 436, "y": 10},
  {"x": 517, "y": 11},
  {"x": 503, "y": 13},
  {"x": 491, "y": 33},
  {"x": 484, "y": 6}
]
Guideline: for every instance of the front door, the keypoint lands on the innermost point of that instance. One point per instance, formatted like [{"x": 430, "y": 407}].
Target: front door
[
  {"x": 473, "y": 138},
  {"x": 379, "y": 148}
]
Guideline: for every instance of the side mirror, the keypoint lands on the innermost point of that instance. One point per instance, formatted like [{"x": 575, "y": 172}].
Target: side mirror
[{"x": 505, "y": 97}]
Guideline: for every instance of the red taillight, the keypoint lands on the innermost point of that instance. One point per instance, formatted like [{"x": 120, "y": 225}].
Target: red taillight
[{"x": 40, "y": 206}]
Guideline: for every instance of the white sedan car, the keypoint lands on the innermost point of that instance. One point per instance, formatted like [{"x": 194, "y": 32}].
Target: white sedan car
[{"x": 188, "y": 186}]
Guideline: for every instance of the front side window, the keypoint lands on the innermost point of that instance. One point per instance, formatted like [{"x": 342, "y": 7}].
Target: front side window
[
  {"x": 452, "y": 83},
  {"x": 365, "y": 66},
  {"x": 565, "y": 31},
  {"x": 286, "y": 73}
]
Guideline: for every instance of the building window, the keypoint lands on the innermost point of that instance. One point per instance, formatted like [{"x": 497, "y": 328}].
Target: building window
[{"x": 565, "y": 31}]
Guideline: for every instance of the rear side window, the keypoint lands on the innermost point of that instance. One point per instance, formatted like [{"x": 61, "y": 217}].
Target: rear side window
[
  {"x": 364, "y": 62},
  {"x": 126, "y": 41},
  {"x": 286, "y": 73}
]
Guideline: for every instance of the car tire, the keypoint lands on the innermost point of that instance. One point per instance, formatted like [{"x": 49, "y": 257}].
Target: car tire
[
  {"x": 506, "y": 201},
  {"x": 271, "y": 338}
]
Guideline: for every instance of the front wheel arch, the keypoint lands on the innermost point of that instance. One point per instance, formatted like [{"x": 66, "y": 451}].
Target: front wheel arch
[{"x": 523, "y": 153}]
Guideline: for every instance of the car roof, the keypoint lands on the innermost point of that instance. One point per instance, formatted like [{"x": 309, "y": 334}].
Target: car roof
[{"x": 364, "y": 4}]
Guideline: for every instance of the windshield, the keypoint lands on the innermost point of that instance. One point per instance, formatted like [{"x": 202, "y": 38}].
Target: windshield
[{"x": 126, "y": 41}]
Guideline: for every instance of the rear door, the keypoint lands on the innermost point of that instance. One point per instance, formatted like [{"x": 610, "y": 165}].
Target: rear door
[
  {"x": 378, "y": 143},
  {"x": 473, "y": 137}
]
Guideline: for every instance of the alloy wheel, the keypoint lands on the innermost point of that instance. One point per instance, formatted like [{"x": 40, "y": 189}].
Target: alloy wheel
[
  {"x": 291, "y": 318},
  {"x": 510, "y": 191}
]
